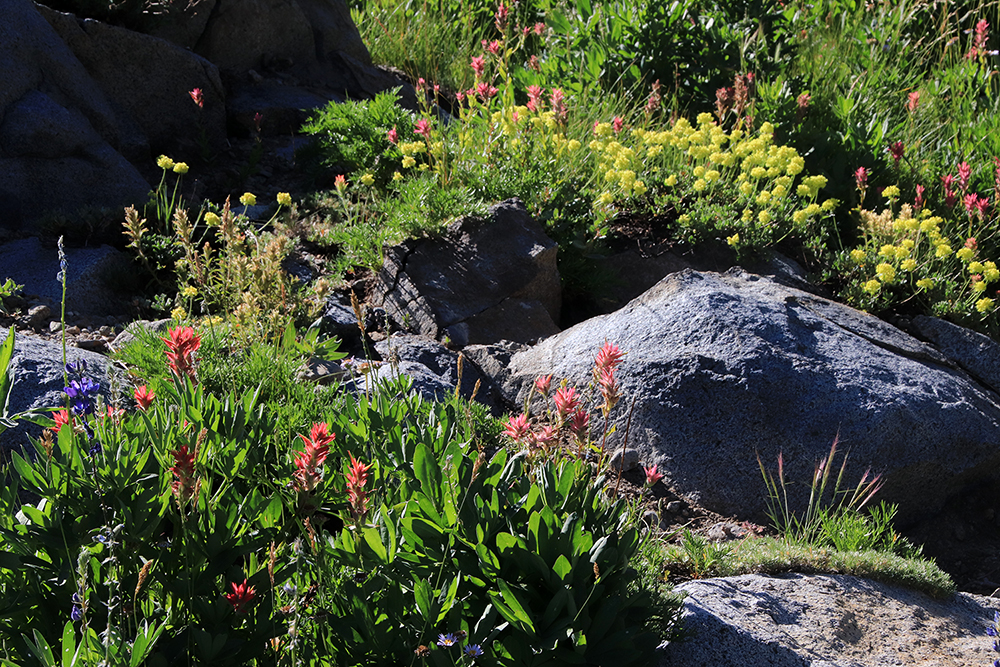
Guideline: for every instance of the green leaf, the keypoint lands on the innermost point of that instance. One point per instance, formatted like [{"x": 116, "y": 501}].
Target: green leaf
[
  {"x": 562, "y": 568},
  {"x": 41, "y": 649},
  {"x": 447, "y": 600},
  {"x": 510, "y": 607},
  {"x": 6, "y": 381},
  {"x": 374, "y": 542},
  {"x": 422, "y": 598},
  {"x": 427, "y": 471},
  {"x": 68, "y": 645}
]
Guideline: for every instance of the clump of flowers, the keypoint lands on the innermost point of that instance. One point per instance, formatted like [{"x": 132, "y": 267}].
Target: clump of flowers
[
  {"x": 182, "y": 343},
  {"x": 562, "y": 421},
  {"x": 241, "y": 596},
  {"x": 357, "y": 478},
  {"x": 309, "y": 462},
  {"x": 185, "y": 482}
]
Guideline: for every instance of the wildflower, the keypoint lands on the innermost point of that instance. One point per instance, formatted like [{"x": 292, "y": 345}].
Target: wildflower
[
  {"x": 733, "y": 240},
  {"x": 965, "y": 254},
  {"x": 802, "y": 104},
  {"x": 242, "y": 595},
  {"x": 990, "y": 272},
  {"x": 535, "y": 102},
  {"x": 82, "y": 394},
  {"x": 485, "y": 91},
  {"x": 211, "y": 219},
  {"x": 448, "y": 639},
  {"x": 908, "y": 264},
  {"x": 872, "y": 287},
  {"x": 545, "y": 436},
  {"x": 357, "y": 477},
  {"x": 309, "y": 462},
  {"x": 896, "y": 150},
  {"x": 861, "y": 178},
  {"x": 248, "y": 199},
  {"x": 423, "y": 128},
  {"x": 76, "y": 613},
  {"x": 559, "y": 105},
  {"x": 539, "y": 28},
  {"x": 964, "y": 173},
  {"x": 143, "y": 397},
  {"x": 181, "y": 346},
  {"x": 494, "y": 47},
  {"x": 184, "y": 484},
  {"x": 609, "y": 357},
  {"x": 653, "y": 103},
  {"x": 543, "y": 384},
  {"x": 984, "y": 305},
  {"x": 925, "y": 283},
  {"x": 178, "y": 313},
  {"x": 918, "y": 201},
  {"x": 566, "y": 401},
  {"x": 671, "y": 180},
  {"x": 978, "y": 284},
  {"x": 518, "y": 428},
  {"x": 473, "y": 651},
  {"x": 198, "y": 97},
  {"x": 341, "y": 183},
  {"x": 501, "y": 17},
  {"x": 61, "y": 417},
  {"x": 891, "y": 192},
  {"x": 164, "y": 163},
  {"x": 652, "y": 476},
  {"x": 579, "y": 423},
  {"x": 942, "y": 250},
  {"x": 858, "y": 255},
  {"x": 912, "y": 100},
  {"x": 617, "y": 124},
  {"x": 408, "y": 162},
  {"x": 367, "y": 179},
  {"x": 181, "y": 168},
  {"x": 396, "y": 176},
  {"x": 764, "y": 217},
  {"x": 885, "y": 272},
  {"x": 534, "y": 64}
]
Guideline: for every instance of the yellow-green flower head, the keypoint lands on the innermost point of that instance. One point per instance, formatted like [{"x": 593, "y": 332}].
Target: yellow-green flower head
[
  {"x": 965, "y": 254},
  {"x": 943, "y": 250},
  {"x": 975, "y": 267},
  {"x": 984, "y": 305},
  {"x": 758, "y": 172},
  {"x": 573, "y": 145},
  {"x": 763, "y": 197},
  {"x": 367, "y": 179},
  {"x": 712, "y": 175},
  {"x": 799, "y": 217},
  {"x": 891, "y": 192},
  {"x": 803, "y": 190},
  {"x": 764, "y": 217},
  {"x": 408, "y": 161},
  {"x": 872, "y": 287},
  {"x": 284, "y": 199},
  {"x": 979, "y": 286},
  {"x": 746, "y": 188},
  {"x": 902, "y": 252},
  {"x": 885, "y": 272},
  {"x": 248, "y": 199},
  {"x": 396, "y": 176},
  {"x": 925, "y": 283},
  {"x": 165, "y": 163},
  {"x": 190, "y": 291},
  {"x": 733, "y": 240},
  {"x": 178, "y": 313},
  {"x": 747, "y": 215},
  {"x": 605, "y": 198},
  {"x": 858, "y": 255},
  {"x": 180, "y": 168},
  {"x": 700, "y": 184},
  {"x": 705, "y": 118},
  {"x": 813, "y": 209},
  {"x": 211, "y": 219},
  {"x": 671, "y": 180},
  {"x": 778, "y": 192},
  {"x": 639, "y": 188},
  {"x": 990, "y": 272},
  {"x": 830, "y": 204},
  {"x": 887, "y": 251},
  {"x": 929, "y": 225},
  {"x": 907, "y": 243},
  {"x": 908, "y": 264},
  {"x": 766, "y": 128},
  {"x": 699, "y": 171}
]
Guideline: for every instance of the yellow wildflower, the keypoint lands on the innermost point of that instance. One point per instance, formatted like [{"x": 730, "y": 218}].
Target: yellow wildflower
[
  {"x": 639, "y": 188},
  {"x": 975, "y": 267},
  {"x": 248, "y": 199},
  {"x": 190, "y": 291},
  {"x": 891, "y": 192},
  {"x": 396, "y": 176},
  {"x": 984, "y": 305},
  {"x": 408, "y": 161},
  {"x": 990, "y": 272},
  {"x": 284, "y": 199},
  {"x": 712, "y": 175},
  {"x": 885, "y": 272},
  {"x": 965, "y": 254},
  {"x": 887, "y": 251},
  {"x": 764, "y": 217},
  {"x": 211, "y": 219},
  {"x": 699, "y": 171},
  {"x": 178, "y": 313},
  {"x": 858, "y": 255},
  {"x": 925, "y": 283},
  {"x": 872, "y": 287},
  {"x": 700, "y": 185},
  {"x": 367, "y": 179},
  {"x": 671, "y": 180},
  {"x": 163, "y": 162},
  {"x": 979, "y": 286},
  {"x": 943, "y": 250},
  {"x": 908, "y": 264},
  {"x": 180, "y": 168},
  {"x": 733, "y": 240}
]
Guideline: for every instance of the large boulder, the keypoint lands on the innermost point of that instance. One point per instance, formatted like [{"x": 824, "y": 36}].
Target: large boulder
[
  {"x": 727, "y": 368},
  {"x": 58, "y": 132},
  {"x": 482, "y": 281},
  {"x": 827, "y": 621},
  {"x": 146, "y": 80},
  {"x": 248, "y": 34}
]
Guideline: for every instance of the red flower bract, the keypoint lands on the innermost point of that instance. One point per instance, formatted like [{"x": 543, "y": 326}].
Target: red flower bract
[
  {"x": 143, "y": 397},
  {"x": 310, "y": 460},
  {"x": 357, "y": 477},
  {"x": 242, "y": 595},
  {"x": 184, "y": 483},
  {"x": 181, "y": 346}
]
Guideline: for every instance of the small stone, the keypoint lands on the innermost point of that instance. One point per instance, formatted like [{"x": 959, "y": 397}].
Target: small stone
[
  {"x": 626, "y": 460},
  {"x": 321, "y": 371},
  {"x": 55, "y": 326},
  {"x": 106, "y": 331},
  {"x": 73, "y": 330},
  {"x": 92, "y": 344},
  {"x": 38, "y": 315},
  {"x": 675, "y": 506}
]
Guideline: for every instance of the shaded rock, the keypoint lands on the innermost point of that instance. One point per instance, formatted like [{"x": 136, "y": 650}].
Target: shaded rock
[
  {"x": 247, "y": 34},
  {"x": 283, "y": 108},
  {"x": 334, "y": 31},
  {"x": 827, "y": 620},
  {"x": 440, "y": 361},
  {"x": 184, "y": 24},
  {"x": 426, "y": 382},
  {"x": 35, "y": 266},
  {"x": 322, "y": 371},
  {"x": 726, "y": 368},
  {"x": 130, "y": 333},
  {"x": 37, "y": 370},
  {"x": 483, "y": 281},
  {"x": 146, "y": 80},
  {"x": 624, "y": 459}
]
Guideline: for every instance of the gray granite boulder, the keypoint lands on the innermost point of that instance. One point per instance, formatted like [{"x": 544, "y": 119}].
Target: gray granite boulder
[
  {"x": 480, "y": 282},
  {"x": 37, "y": 371},
  {"x": 827, "y": 621},
  {"x": 726, "y": 368}
]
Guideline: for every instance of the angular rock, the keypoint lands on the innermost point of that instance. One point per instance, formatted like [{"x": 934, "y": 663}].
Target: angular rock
[
  {"x": 976, "y": 354},
  {"x": 248, "y": 34},
  {"x": 184, "y": 24},
  {"x": 726, "y": 368},
  {"x": 827, "y": 621},
  {"x": 482, "y": 281}
]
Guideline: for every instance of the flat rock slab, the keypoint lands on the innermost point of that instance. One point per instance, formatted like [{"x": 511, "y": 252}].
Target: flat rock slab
[
  {"x": 830, "y": 621},
  {"x": 724, "y": 368}
]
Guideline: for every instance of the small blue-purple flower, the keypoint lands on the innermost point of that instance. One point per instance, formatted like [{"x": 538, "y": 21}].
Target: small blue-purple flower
[
  {"x": 81, "y": 394},
  {"x": 473, "y": 651},
  {"x": 447, "y": 640},
  {"x": 77, "y": 613}
]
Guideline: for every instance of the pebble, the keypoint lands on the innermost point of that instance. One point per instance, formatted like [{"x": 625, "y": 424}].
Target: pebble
[{"x": 38, "y": 315}]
